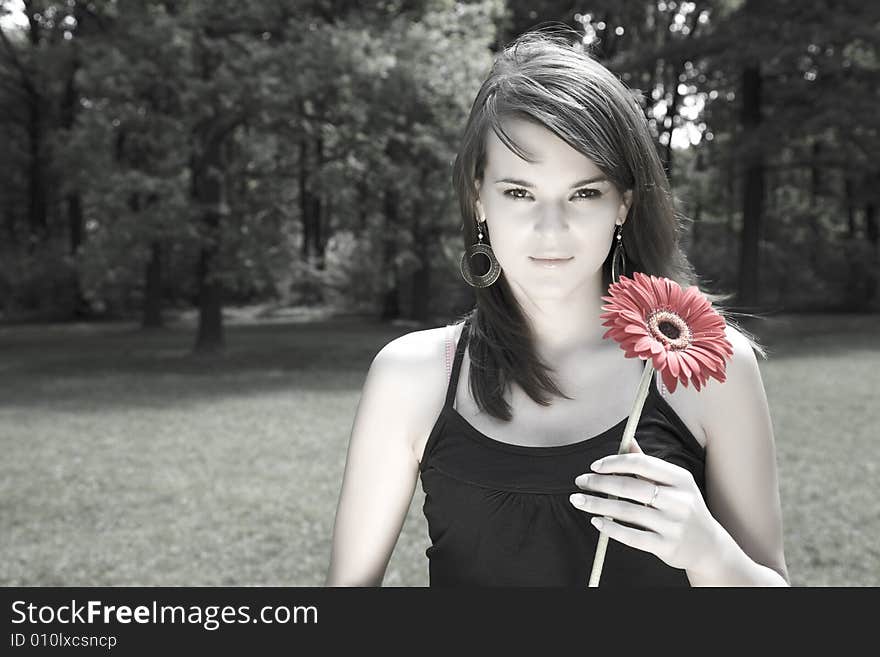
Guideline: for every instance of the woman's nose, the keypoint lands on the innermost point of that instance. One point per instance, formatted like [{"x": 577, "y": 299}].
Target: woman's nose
[{"x": 551, "y": 218}]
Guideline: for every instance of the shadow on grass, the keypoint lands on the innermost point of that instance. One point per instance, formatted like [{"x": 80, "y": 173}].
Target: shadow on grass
[
  {"x": 121, "y": 364},
  {"x": 832, "y": 335}
]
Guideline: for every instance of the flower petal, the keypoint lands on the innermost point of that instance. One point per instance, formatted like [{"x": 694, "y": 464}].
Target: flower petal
[
  {"x": 645, "y": 298},
  {"x": 685, "y": 370},
  {"x": 660, "y": 360},
  {"x": 631, "y": 316},
  {"x": 644, "y": 344},
  {"x": 675, "y": 293},
  {"x": 668, "y": 380},
  {"x": 706, "y": 360},
  {"x": 660, "y": 293},
  {"x": 693, "y": 364}
]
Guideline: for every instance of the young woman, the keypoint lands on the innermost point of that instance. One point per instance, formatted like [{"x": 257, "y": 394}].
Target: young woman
[{"x": 556, "y": 164}]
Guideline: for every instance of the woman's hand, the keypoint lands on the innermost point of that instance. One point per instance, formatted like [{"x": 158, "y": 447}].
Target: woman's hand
[{"x": 679, "y": 529}]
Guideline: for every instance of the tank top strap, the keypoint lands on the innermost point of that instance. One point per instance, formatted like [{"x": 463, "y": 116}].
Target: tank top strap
[
  {"x": 450, "y": 349},
  {"x": 456, "y": 363}
]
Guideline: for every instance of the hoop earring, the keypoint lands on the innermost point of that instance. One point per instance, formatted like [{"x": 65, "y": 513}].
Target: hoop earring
[
  {"x": 619, "y": 254},
  {"x": 478, "y": 248}
]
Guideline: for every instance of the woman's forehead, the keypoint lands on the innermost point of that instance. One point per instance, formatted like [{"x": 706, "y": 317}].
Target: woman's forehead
[{"x": 544, "y": 147}]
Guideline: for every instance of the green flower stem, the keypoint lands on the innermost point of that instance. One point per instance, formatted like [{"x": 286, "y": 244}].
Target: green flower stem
[{"x": 628, "y": 433}]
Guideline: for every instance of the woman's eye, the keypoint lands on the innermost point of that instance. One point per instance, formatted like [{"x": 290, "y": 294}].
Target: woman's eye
[
  {"x": 514, "y": 193},
  {"x": 520, "y": 193}
]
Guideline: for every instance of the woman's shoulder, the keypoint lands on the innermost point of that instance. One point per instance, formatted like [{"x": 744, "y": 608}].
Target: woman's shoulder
[
  {"x": 413, "y": 368},
  {"x": 419, "y": 353}
]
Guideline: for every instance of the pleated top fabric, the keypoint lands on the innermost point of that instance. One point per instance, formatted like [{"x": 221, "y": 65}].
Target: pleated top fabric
[{"x": 499, "y": 514}]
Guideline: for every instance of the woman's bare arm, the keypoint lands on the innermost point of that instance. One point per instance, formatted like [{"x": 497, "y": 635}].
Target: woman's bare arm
[
  {"x": 381, "y": 468},
  {"x": 741, "y": 478}
]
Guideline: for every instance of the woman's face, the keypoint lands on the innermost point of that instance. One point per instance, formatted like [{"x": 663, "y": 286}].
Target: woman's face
[{"x": 547, "y": 209}]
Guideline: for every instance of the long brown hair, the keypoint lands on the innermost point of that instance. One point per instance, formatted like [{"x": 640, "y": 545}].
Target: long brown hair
[{"x": 543, "y": 78}]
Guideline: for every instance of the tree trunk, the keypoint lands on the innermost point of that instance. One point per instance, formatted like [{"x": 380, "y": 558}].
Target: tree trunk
[
  {"x": 9, "y": 225},
  {"x": 209, "y": 166},
  {"x": 855, "y": 268},
  {"x": 696, "y": 228},
  {"x": 872, "y": 233},
  {"x": 37, "y": 219},
  {"x": 209, "y": 186},
  {"x": 422, "y": 283},
  {"x": 69, "y": 107},
  {"x": 75, "y": 223},
  {"x": 38, "y": 225},
  {"x": 850, "y": 208},
  {"x": 310, "y": 203},
  {"x": 210, "y": 337},
  {"x": 753, "y": 190},
  {"x": 425, "y": 239},
  {"x": 729, "y": 195},
  {"x": 391, "y": 299},
  {"x": 816, "y": 152},
  {"x": 152, "y": 309},
  {"x": 815, "y": 226},
  {"x": 305, "y": 204},
  {"x": 318, "y": 209},
  {"x": 671, "y": 113},
  {"x": 363, "y": 195}
]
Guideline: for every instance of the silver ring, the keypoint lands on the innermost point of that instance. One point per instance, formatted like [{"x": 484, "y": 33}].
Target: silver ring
[{"x": 654, "y": 498}]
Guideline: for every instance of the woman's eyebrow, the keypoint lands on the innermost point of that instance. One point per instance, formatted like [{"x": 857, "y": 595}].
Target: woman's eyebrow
[{"x": 525, "y": 183}]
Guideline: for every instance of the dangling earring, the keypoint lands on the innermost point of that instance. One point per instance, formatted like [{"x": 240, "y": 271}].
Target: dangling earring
[
  {"x": 617, "y": 270},
  {"x": 478, "y": 248}
]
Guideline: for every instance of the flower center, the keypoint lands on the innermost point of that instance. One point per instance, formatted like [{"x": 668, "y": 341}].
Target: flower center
[{"x": 669, "y": 329}]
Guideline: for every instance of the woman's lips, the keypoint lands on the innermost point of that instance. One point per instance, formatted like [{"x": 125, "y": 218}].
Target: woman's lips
[{"x": 552, "y": 263}]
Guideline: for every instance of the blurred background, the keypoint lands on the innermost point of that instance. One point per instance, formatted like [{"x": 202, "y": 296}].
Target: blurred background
[{"x": 214, "y": 214}]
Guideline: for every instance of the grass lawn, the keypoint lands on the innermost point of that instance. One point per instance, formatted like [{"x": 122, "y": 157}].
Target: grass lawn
[{"x": 129, "y": 462}]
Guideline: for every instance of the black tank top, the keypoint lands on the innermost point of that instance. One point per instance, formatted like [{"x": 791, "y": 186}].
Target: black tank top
[{"x": 499, "y": 514}]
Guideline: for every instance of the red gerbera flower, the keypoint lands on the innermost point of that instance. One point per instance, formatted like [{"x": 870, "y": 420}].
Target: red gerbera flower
[{"x": 679, "y": 330}]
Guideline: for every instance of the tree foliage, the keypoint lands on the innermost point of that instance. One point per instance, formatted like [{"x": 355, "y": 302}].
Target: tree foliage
[{"x": 166, "y": 153}]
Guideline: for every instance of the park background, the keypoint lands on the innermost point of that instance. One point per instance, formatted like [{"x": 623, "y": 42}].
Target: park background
[{"x": 215, "y": 213}]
